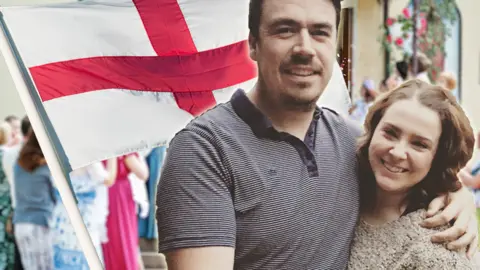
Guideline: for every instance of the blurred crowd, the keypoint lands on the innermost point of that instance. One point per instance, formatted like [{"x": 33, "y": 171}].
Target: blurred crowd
[{"x": 35, "y": 230}]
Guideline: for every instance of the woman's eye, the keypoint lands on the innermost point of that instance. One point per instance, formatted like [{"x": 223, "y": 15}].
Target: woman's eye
[
  {"x": 421, "y": 145},
  {"x": 391, "y": 133}
]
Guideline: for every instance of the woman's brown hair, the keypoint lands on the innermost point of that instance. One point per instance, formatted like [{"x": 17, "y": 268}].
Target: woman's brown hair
[
  {"x": 31, "y": 155},
  {"x": 455, "y": 146}
]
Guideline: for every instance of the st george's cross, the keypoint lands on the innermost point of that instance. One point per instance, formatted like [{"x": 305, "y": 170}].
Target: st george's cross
[{"x": 119, "y": 76}]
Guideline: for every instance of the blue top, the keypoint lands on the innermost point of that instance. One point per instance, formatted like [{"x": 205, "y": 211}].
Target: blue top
[
  {"x": 35, "y": 196},
  {"x": 476, "y": 168}
]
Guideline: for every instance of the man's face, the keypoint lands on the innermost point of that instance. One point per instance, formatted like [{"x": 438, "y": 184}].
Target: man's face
[{"x": 295, "y": 50}]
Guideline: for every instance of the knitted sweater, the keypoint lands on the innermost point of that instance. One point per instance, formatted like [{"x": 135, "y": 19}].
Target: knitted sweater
[{"x": 403, "y": 244}]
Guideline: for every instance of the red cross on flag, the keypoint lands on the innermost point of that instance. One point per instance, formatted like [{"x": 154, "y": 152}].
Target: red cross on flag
[{"x": 121, "y": 76}]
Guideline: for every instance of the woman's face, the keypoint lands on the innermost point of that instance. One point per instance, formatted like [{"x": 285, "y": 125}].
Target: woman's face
[{"x": 403, "y": 145}]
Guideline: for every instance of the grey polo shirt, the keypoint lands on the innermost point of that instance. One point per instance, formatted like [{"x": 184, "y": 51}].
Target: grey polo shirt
[{"x": 230, "y": 179}]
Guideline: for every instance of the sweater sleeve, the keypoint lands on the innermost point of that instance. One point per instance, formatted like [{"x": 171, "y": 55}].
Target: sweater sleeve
[{"x": 427, "y": 255}]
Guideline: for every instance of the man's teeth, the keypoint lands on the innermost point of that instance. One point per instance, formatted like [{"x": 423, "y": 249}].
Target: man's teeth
[
  {"x": 392, "y": 168},
  {"x": 302, "y": 72}
]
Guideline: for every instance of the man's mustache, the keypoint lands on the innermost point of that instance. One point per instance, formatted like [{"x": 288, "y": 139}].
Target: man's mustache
[{"x": 302, "y": 61}]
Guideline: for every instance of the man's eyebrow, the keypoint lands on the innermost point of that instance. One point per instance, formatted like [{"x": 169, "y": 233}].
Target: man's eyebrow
[
  {"x": 323, "y": 25},
  {"x": 283, "y": 21}
]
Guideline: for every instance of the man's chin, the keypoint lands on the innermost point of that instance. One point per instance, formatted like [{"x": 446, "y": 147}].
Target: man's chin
[{"x": 301, "y": 102}]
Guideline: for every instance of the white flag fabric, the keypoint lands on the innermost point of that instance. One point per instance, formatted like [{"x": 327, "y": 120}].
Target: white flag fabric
[{"x": 122, "y": 76}]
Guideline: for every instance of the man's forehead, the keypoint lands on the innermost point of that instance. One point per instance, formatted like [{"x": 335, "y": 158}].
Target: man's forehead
[{"x": 303, "y": 11}]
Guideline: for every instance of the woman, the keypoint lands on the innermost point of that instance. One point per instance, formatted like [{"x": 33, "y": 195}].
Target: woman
[
  {"x": 367, "y": 96},
  {"x": 417, "y": 138},
  {"x": 35, "y": 201},
  {"x": 7, "y": 245},
  {"x": 121, "y": 250},
  {"x": 86, "y": 182}
]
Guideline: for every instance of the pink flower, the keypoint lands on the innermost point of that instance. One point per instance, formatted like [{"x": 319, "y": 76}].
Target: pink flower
[
  {"x": 399, "y": 41},
  {"x": 389, "y": 39},
  {"x": 423, "y": 24},
  {"x": 406, "y": 13},
  {"x": 390, "y": 21}
]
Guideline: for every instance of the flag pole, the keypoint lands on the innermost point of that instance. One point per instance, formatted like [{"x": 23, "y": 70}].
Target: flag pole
[{"x": 59, "y": 175}]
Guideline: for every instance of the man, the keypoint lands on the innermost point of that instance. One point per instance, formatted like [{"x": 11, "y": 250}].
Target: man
[
  {"x": 267, "y": 180},
  {"x": 15, "y": 124},
  {"x": 10, "y": 156}
]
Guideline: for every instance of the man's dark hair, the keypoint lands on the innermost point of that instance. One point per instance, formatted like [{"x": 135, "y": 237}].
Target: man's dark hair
[
  {"x": 255, "y": 12},
  {"x": 11, "y": 118},
  {"x": 25, "y": 126}
]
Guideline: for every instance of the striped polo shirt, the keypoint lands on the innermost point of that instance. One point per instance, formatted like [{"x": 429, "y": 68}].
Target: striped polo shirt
[{"x": 230, "y": 179}]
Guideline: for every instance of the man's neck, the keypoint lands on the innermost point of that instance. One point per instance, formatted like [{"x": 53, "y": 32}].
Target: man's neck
[{"x": 294, "y": 122}]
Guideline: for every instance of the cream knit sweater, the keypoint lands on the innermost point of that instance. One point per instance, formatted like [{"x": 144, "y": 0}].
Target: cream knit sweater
[{"x": 403, "y": 244}]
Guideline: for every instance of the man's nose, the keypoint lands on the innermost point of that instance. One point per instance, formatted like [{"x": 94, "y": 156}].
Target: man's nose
[{"x": 304, "y": 44}]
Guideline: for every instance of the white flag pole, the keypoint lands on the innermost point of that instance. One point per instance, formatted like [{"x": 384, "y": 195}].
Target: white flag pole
[{"x": 59, "y": 178}]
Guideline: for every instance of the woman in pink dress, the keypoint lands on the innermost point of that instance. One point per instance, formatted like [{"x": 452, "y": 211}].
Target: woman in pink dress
[{"x": 121, "y": 250}]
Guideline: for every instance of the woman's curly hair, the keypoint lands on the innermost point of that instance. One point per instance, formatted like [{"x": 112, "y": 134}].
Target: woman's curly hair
[{"x": 455, "y": 146}]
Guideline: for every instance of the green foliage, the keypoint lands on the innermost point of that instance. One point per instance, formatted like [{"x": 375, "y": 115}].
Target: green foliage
[{"x": 432, "y": 29}]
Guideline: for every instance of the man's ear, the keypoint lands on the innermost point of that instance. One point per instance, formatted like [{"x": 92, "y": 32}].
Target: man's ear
[{"x": 252, "y": 42}]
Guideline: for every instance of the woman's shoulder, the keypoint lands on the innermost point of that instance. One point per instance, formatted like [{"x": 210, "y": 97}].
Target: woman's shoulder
[
  {"x": 429, "y": 255},
  {"x": 423, "y": 252},
  {"x": 406, "y": 245}
]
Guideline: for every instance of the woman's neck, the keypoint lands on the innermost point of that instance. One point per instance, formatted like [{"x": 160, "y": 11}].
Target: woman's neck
[{"x": 388, "y": 207}]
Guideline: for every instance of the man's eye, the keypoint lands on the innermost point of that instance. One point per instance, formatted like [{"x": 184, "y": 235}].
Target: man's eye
[
  {"x": 284, "y": 30},
  {"x": 320, "y": 33}
]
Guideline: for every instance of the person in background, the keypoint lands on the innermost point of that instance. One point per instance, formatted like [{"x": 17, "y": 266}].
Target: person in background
[
  {"x": 416, "y": 140},
  {"x": 121, "y": 250},
  {"x": 382, "y": 87},
  {"x": 423, "y": 66},
  {"x": 68, "y": 253},
  {"x": 9, "y": 159},
  {"x": 447, "y": 80},
  {"x": 35, "y": 200},
  {"x": 16, "y": 136},
  {"x": 401, "y": 71},
  {"x": 470, "y": 175},
  {"x": 367, "y": 96},
  {"x": 397, "y": 77},
  {"x": 11, "y": 155},
  {"x": 7, "y": 244}
]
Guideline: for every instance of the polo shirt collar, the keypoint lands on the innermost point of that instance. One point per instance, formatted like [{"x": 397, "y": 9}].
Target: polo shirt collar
[{"x": 258, "y": 122}]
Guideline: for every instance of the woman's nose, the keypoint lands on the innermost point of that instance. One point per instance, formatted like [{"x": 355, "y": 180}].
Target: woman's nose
[{"x": 399, "y": 151}]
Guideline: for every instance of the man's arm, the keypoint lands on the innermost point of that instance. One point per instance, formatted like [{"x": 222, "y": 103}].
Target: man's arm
[
  {"x": 458, "y": 207},
  {"x": 206, "y": 258},
  {"x": 195, "y": 214}
]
